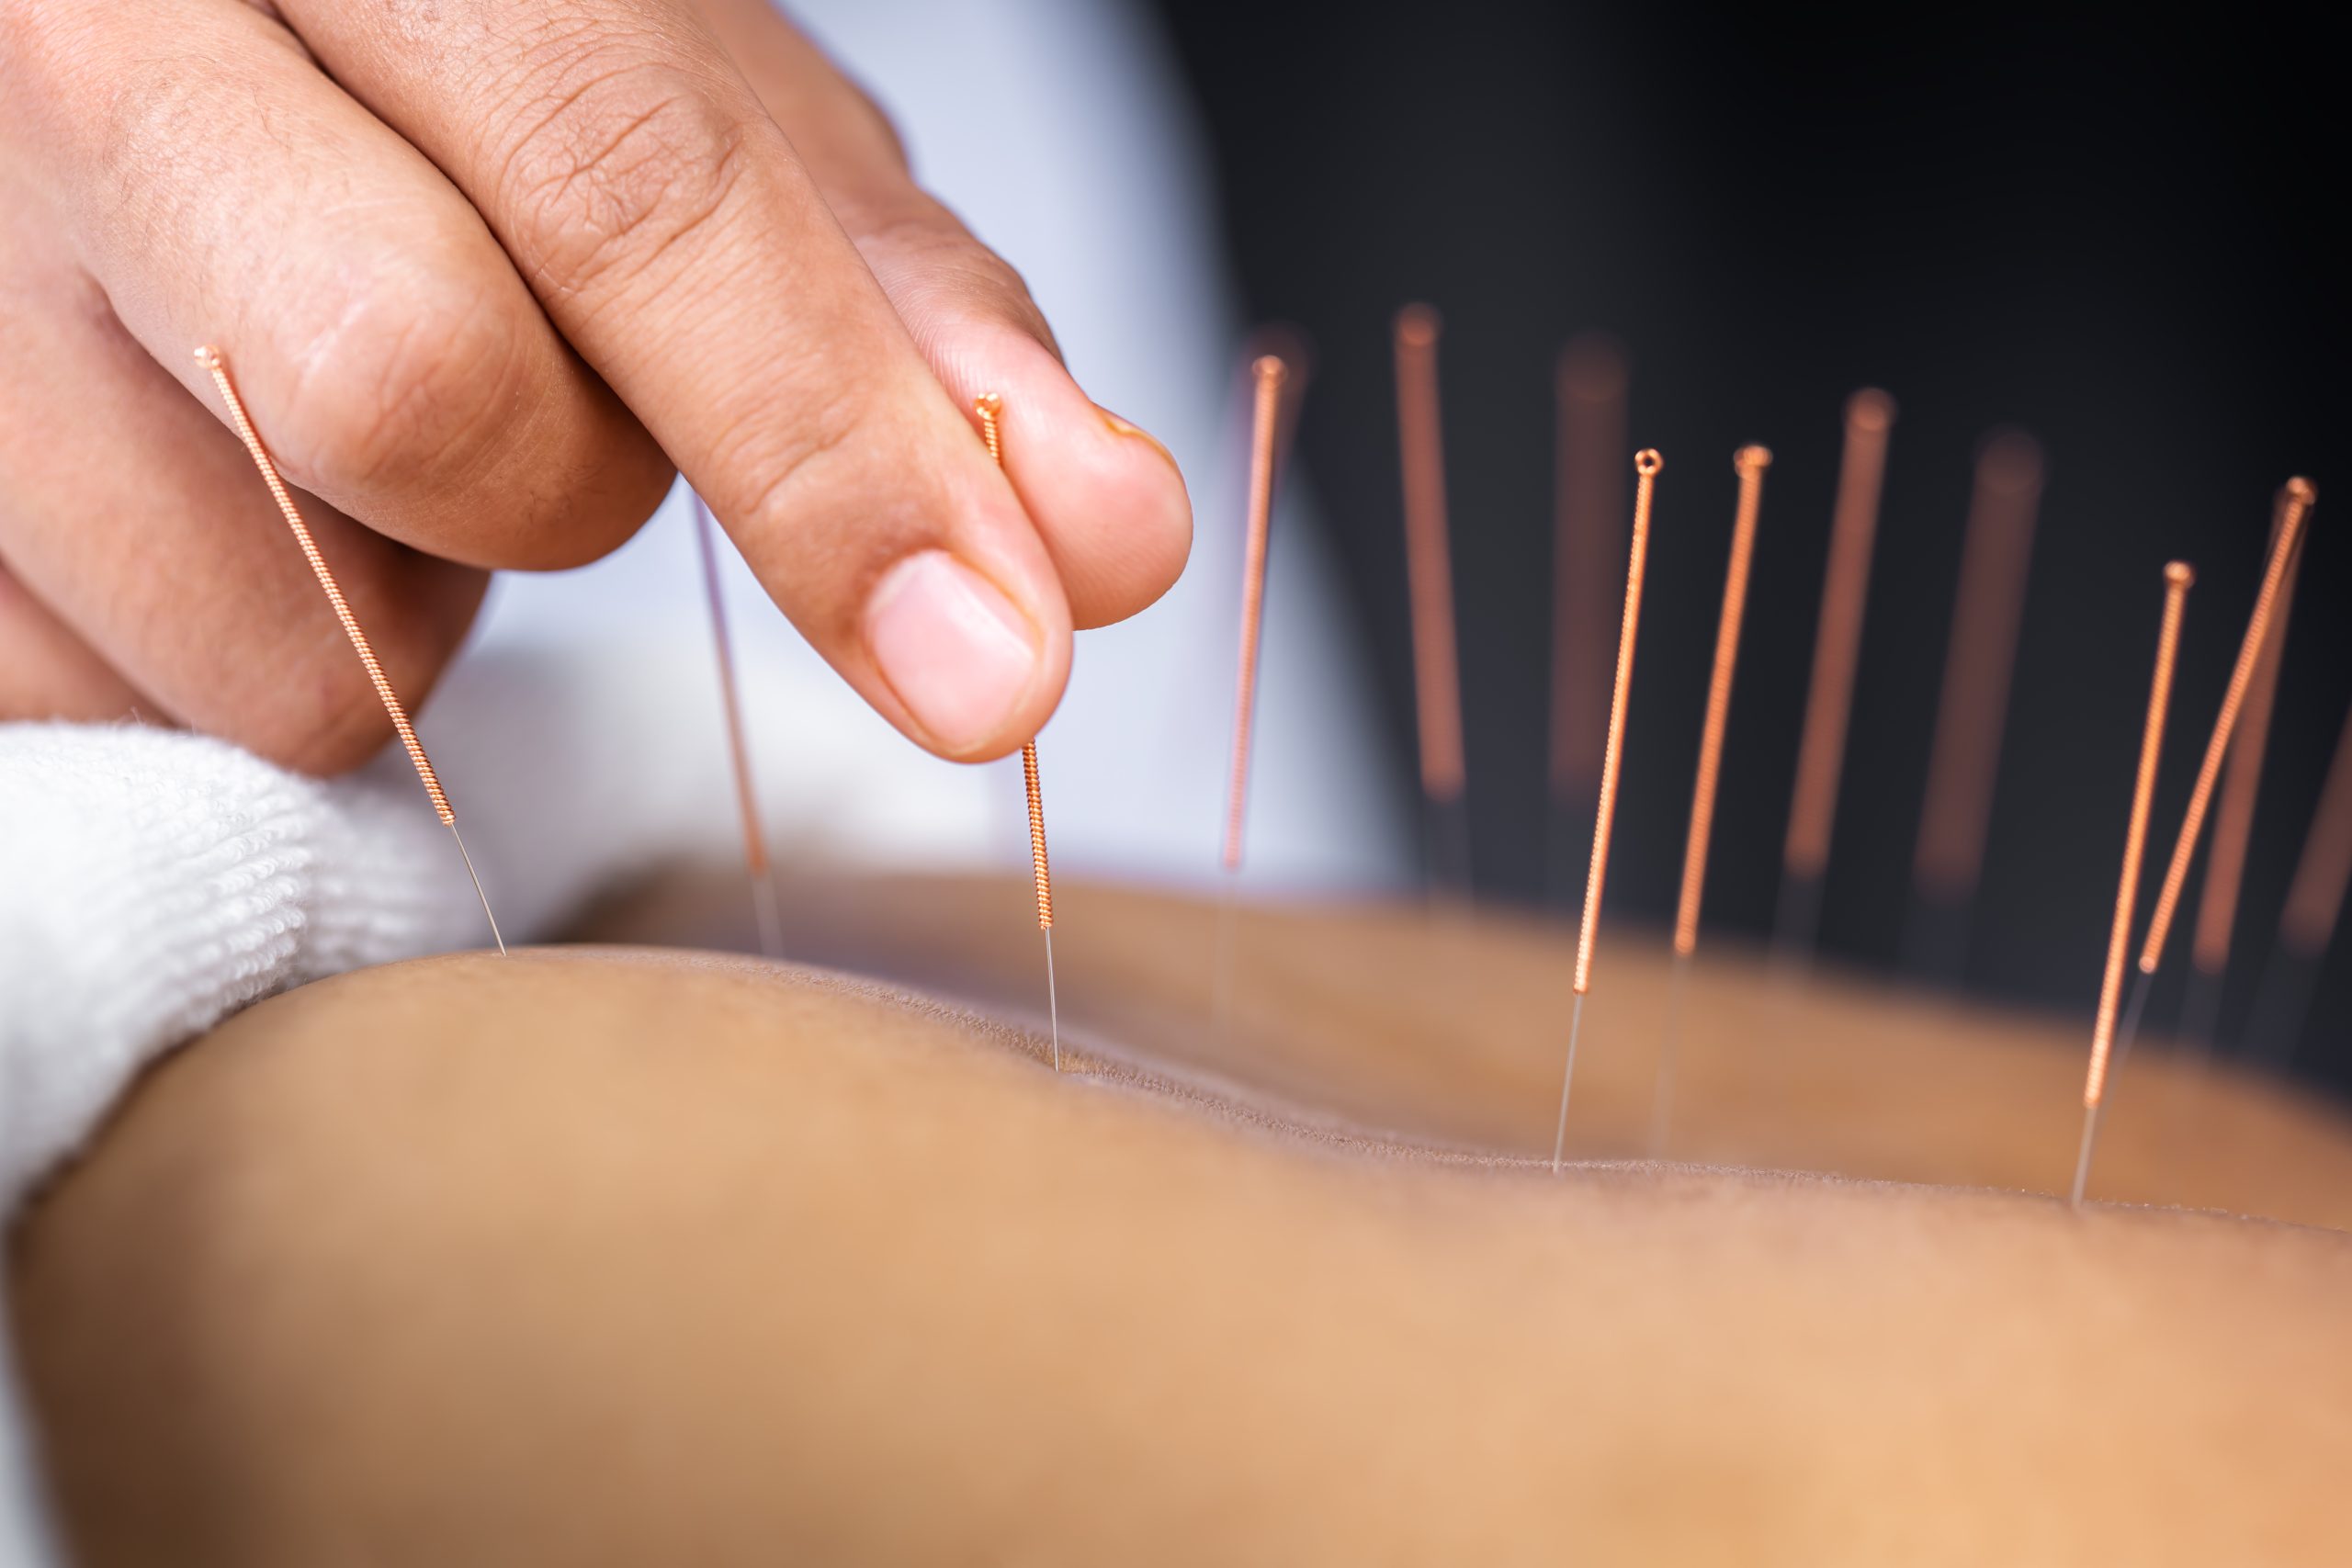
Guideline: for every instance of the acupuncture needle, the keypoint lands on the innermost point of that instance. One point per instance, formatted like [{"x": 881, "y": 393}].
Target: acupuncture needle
[
  {"x": 2210, "y": 937},
  {"x": 756, "y": 866},
  {"x": 990, "y": 407},
  {"x": 2178, "y": 579},
  {"x": 212, "y": 360},
  {"x": 1749, "y": 463},
  {"x": 1949, "y": 861},
  {"x": 1837, "y": 649},
  {"x": 2300, "y": 494},
  {"x": 1437, "y": 686},
  {"x": 1646, "y": 464},
  {"x": 1267, "y": 415}
]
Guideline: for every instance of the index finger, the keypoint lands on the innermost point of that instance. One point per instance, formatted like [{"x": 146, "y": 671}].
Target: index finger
[{"x": 673, "y": 236}]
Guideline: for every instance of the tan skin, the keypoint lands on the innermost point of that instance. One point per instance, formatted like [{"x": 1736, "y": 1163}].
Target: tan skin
[
  {"x": 484, "y": 270},
  {"x": 623, "y": 1255}
]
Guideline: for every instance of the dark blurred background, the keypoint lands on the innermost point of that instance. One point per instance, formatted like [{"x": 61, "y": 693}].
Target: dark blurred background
[{"x": 2107, "y": 231}]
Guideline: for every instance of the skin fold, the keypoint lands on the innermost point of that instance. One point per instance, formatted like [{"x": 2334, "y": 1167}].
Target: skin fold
[{"x": 610, "y": 1255}]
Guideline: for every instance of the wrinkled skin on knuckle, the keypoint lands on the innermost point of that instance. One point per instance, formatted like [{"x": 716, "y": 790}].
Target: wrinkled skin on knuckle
[
  {"x": 609, "y": 159},
  {"x": 402, "y": 386},
  {"x": 800, "y": 476}
]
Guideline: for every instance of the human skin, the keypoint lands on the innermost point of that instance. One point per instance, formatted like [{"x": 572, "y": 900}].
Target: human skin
[
  {"x": 483, "y": 271},
  {"x": 618, "y": 1256},
  {"x": 1439, "y": 1026}
]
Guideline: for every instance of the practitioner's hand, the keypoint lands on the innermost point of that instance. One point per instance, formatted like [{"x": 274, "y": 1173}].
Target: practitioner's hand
[{"x": 483, "y": 270}]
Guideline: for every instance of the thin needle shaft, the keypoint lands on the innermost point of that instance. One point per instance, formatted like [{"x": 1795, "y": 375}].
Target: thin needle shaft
[
  {"x": 1646, "y": 464},
  {"x": 1270, "y": 372},
  {"x": 991, "y": 409},
  {"x": 1053, "y": 1003},
  {"x": 1837, "y": 649},
  {"x": 2217, "y": 904},
  {"x": 747, "y": 797},
  {"x": 2178, "y": 579},
  {"x": 1749, "y": 463},
  {"x": 1567, "y": 1077},
  {"x": 2299, "y": 497},
  {"x": 1267, "y": 415},
  {"x": 1436, "y": 676},
  {"x": 475, "y": 878},
  {"x": 1949, "y": 860},
  {"x": 211, "y": 359}
]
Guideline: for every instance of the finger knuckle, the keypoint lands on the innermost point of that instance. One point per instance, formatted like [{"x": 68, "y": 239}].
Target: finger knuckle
[
  {"x": 831, "y": 451},
  {"x": 401, "y": 386},
  {"x": 613, "y": 160}
]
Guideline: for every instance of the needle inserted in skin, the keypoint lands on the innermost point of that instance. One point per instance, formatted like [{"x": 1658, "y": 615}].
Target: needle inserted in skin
[
  {"x": 1646, "y": 464},
  {"x": 211, "y": 359},
  {"x": 1950, "y": 857},
  {"x": 1436, "y": 679},
  {"x": 2217, "y": 904},
  {"x": 747, "y": 798},
  {"x": 1266, "y": 415},
  {"x": 2284, "y": 539},
  {"x": 991, "y": 409},
  {"x": 1749, "y": 463},
  {"x": 2178, "y": 579},
  {"x": 1821, "y": 753}
]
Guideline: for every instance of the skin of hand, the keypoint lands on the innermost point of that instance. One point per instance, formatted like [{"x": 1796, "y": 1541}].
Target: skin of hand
[{"x": 485, "y": 270}]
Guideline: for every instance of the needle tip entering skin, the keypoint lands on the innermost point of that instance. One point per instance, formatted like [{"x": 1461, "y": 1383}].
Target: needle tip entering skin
[
  {"x": 2178, "y": 579},
  {"x": 1646, "y": 464},
  {"x": 209, "y": 357},
  {"x": 990, "y": 407},
  {"x": 1053, "y": 1003},
  {"x": 475, "y": 877},
  {"x": 2083, "y": 1159},
  {"x": 1567, "y": 1079}
]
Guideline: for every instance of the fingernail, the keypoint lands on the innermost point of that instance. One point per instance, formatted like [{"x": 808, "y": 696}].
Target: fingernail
[
  {"x": 1125, "y": 427},
  {"x": 952, "y": 647}
]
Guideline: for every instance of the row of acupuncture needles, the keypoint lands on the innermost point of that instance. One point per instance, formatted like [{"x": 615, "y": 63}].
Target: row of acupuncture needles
[
  {"x": 1949, "y": 854},
  {"x": 1977, "y": 671},
  {"x": 1979, "y": 662},
  {"x": 1948, "y": 858}
]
